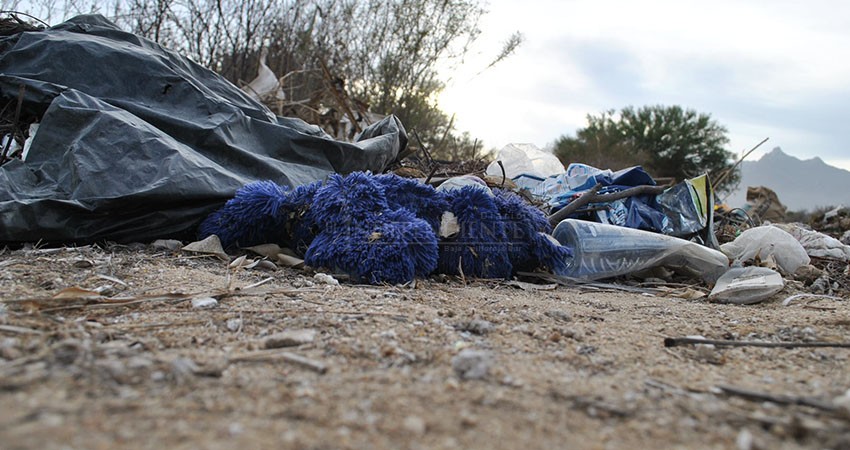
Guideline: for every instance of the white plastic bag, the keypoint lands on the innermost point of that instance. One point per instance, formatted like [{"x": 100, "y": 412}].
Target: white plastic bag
[
  {"x": 764, "y": 242},
  {"x": 525, "y": 158}
]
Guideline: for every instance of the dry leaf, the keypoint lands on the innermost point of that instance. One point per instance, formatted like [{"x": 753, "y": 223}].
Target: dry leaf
[
  {"x": 238, "y": 262},
  {"x": 76, "y": 293},
  {"x": 209, "y": 246},
  {"x": 268, "y": 250},
  {"x": 266, "y": 265},
  {"x": 290, "y": 261}
]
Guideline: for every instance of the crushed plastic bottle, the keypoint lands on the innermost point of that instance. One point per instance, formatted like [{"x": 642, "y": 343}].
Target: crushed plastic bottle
[{"x": 603, "y": 250}]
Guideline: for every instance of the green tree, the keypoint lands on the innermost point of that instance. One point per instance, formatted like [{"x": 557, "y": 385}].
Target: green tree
[{"x": 667, "y": 140}]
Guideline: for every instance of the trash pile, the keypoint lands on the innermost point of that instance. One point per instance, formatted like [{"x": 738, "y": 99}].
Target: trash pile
[{"x": 163, "y": 148}]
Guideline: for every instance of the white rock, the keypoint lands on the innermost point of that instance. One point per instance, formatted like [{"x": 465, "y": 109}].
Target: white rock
[
  {"x": 204, "y": 302},
  {"x": 326, "y": 279}
]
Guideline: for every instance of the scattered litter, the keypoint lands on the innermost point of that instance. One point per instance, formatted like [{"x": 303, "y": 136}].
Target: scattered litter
[
  {"x": 790, "y": 299},
  {"x": 211, "y": 245},
  {"x": 204, "y": 302},
  {"x": 472, "y": 364},
  {"x": 290, "y": 338},
  {"x": 746, "y": 285},
  {"x": 324, "y": 278}
]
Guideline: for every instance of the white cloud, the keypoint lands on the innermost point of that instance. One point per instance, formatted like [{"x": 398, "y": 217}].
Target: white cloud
[{"x": 761, "y": 68}]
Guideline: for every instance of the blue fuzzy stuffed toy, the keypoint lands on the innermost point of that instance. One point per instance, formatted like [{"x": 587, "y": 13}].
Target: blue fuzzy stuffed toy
[{"x": 384, "y": 228}]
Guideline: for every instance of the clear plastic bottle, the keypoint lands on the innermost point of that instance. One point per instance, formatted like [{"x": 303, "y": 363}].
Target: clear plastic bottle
[{"x": 603, "y": 250}]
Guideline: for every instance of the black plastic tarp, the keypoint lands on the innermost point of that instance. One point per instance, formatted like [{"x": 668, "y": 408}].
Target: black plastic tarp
[{"x": 137, "y": 142}]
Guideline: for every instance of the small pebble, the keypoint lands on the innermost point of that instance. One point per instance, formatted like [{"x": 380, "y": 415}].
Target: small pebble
[
  {"x": 472, "y": 364},
  {"x": 167, "y": 244},
  {"x": 234, "y": 324},
  {"x": 476, "y": 326},
  {"x": 205, "y": 302}
]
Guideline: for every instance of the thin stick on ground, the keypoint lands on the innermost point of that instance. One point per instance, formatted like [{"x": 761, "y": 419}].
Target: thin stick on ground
[
  {"x": 261, "y": 355},
  {"x": 679, "y": 341},
  {"x": 756, "y": 396}
]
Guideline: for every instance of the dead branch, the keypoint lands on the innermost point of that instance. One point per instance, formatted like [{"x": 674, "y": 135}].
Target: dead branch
[{"x": 592, "y": 196}]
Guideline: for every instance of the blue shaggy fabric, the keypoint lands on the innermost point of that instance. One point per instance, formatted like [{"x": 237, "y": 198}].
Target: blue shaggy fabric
[
  {"x": 354, "y": 198},
  {"x": 419, "y": 198},
  {"x": 393, "y": 250},
  {"x": 480, "y": 249},
  {"x": 547, "y": 254},
  {"x": 529, "y": 249},
  {"x": 301, "y": 227},
  {"x": 253, "y": 216},
  {"x": 382, "y": 229}
]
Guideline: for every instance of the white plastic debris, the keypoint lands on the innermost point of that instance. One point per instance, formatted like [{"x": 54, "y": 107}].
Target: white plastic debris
[
  {"x": 326, "y": 279},
  {"x": 816, "y": 243},
  {"x": 520, "y": 159},
  {"x": 266, "y": 83},
  {"x": 28, "y": 143},
  {"x": 746, "y": 285},
  {"x": 462, "y": 181},
  {"x": 204, "y": 302},
  {"x": 448, "y": 225},
  {"x": 768, "y": 241}
]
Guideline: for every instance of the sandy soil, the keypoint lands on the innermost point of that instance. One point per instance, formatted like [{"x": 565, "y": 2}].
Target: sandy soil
[{"x": 442, "y": 364}]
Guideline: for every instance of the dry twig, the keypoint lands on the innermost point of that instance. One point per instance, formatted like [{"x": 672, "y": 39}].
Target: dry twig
[{"x": 679, "y": 341}]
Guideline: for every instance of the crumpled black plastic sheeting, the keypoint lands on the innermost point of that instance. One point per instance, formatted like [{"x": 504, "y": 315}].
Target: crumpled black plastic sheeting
[{"x": 138, "y": 143}]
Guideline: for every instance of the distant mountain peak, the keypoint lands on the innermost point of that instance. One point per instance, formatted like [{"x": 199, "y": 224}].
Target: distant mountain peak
[
  {"x": 800, "y": 184},
  {"x": 775, "y": 153}
]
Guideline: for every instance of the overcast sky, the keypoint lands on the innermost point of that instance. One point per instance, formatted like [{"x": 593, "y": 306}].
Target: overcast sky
[{"x": 777, "y": 69}]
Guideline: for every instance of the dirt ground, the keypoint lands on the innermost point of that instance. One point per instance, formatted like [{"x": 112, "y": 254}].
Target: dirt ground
[{"x": 132, "y": 359}]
